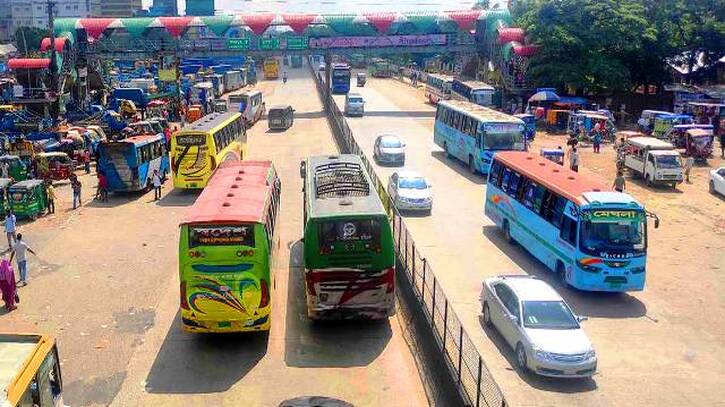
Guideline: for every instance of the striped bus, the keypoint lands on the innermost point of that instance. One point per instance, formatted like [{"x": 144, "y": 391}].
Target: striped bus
[
  {"x": 226, "y": 242},
  {"x": 197, "y": 149},
  {"x": 349, "y": 256}
]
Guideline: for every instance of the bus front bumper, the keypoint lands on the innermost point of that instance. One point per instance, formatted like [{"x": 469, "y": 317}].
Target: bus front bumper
[
  {"x": 322, "y": 312},
  {"x": 224, "y": 326}
]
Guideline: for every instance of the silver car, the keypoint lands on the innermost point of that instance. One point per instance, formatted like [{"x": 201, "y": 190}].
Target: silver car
[
  {"x": 539, "y": 326},
  {"x": 410, "y": 191},
  {"x": 389, "y": 149},
  {"x": 354, "y": 105}
]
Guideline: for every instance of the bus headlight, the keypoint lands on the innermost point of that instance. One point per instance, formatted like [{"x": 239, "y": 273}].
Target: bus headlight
[{"x": 588, "y": 268}]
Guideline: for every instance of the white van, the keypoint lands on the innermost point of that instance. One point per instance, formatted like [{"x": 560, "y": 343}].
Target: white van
[
  {"x": 654, "y": 160},
  {"x": 250, "y": 104}
]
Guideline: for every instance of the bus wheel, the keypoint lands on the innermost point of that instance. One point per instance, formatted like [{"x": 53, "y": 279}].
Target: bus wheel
[
  {"x": 507, "y": 232},
  {"x": 561, "y": 273},
  {"x": 471, "y": 166},
  {"x": 445, "y": 149}
]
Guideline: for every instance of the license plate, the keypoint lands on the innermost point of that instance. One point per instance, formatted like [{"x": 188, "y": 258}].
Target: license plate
[
  {"x": 276, "y": 121},
  {"x": 225, "y": 324}
]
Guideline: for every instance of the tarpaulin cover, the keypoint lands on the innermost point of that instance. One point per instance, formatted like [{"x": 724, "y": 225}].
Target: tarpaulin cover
[
  {"x": 466, "y": 19},
  {"x": 137, "y": 25},
  {"x": 95, "y": 26},
  {"x": 175, "y": 25},
  {"x": 298, "y": 22},
  {"x": 218, "y": 24},
  {"x": 258, "y": 22},
  {"x": 510, "y": 34},
  {"x": 28, "y": 63},
  {"x": 60, "y": 43},
  {"x": 381, "y": 21}
]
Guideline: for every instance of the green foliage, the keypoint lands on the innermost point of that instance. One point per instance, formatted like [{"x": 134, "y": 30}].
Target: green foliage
[
  {"x": 607, "y": 46},
  {"x": 27, "y": 39}
]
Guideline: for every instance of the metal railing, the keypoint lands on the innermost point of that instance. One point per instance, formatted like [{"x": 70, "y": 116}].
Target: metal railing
[{"x": 470, "y": 374}]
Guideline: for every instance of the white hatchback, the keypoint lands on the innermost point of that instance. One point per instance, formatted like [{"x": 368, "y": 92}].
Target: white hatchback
[
  {"x": 717, "y": 181},
  {"x": 538, "y": 325}
]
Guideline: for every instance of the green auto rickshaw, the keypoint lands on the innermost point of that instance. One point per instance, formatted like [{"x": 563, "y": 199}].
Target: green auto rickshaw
[
  {"x": 4, "y": 185},
  {"x": 17, "y": 169},
  {"x": 28, "y": 199}
]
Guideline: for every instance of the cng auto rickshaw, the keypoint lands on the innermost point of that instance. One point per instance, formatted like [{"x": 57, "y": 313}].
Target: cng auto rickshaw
[
  {"x": 553, "y": 154},
  {"x": 361, "y": 79},
  {"x": 194, "y": 113},
  {"x": 28, "y": 199},
  {"x": 4, "y": 185},
  {"x": 16, "y": 167},
  {"x": 557, "y": 120},
  {"x": 54, "y": 166},
  {"x": 530, "y": 125}
]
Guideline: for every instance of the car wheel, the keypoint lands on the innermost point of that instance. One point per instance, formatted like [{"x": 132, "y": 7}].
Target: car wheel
[
  {"x": 712, "y": 187},
  {"x": 507, "y": 232},
  {"x": 487, "y": 315},
  {"x": 521, "y": 357},
  {"x": 561, "y": 273}
]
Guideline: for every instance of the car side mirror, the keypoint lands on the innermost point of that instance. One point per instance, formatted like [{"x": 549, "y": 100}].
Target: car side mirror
[{"x": 581, "y": 318}]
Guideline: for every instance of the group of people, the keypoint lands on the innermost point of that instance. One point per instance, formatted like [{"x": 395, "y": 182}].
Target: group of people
[{"x": 18, "y": 250}]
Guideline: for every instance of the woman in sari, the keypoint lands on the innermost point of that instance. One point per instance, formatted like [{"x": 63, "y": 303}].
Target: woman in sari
[{"x": 7, "y": 284}]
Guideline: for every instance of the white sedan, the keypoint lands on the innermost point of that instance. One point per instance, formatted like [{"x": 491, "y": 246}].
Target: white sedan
[
  {"x": 538, "y": 325},
  {"x": 717, "y": 181},
  {"x": 410, "y": 191}
]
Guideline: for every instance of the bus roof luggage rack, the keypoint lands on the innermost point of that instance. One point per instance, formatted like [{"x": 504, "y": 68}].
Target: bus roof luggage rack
[{"x": 340, "y": 179}]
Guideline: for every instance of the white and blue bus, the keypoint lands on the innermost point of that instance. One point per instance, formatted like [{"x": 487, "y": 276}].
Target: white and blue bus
[
  {"x": 476, "y": 92},
  {"x": 473, "y": 133},
  {"x": 129, "y": 164},
  {"x": 340, "y": 78},
  {"x": 592, "y": 238}
]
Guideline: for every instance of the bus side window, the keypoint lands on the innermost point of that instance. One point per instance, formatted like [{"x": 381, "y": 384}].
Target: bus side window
[
  {"x": 568, "y": 230},
  {"x": 495, "y": 176},
  {"x": 547, "y": 205},
  {"x": 529, "y": 194},
  {"x": 505, "y": 179},
  {"x": 513, "y": 185},
  {"x": 559, "y": 211},
  {"x": 523, "y": 185}
]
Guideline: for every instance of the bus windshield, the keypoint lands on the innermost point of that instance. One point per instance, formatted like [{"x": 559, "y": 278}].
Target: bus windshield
[
  {"x": 513, "y": 140},
  {"x": 341, "y": 73},
  {"x": 616, "y": 232},
  {"x": 350, "y": 230},
  {"x": 221, "y": 235}
]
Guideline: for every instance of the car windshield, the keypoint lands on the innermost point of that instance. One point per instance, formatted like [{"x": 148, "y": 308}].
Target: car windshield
[
  {"x": 668, "y": 161},
  {"x": 548, "y": 315},
  {"x": 612, "y": 232},
  {"x": 413, "y": 183},
  {"x": 504, "y": 141},
  {"x": 390, "y": 142}
]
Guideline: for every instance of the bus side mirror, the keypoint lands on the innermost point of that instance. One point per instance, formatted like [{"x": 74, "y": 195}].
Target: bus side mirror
[
  {"x": 303, "y": 168},
  {"x": 657, "y": 223}
]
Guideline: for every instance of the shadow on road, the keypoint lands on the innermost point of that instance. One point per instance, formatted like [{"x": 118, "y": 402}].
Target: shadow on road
[
  {"x": 538, "y": 382},
  {"x": 309, "y": 115},
  {"x": 203, "y": 363},
  {"x": 666, "y": 189},
  {"x": 399, "y": 113},
  {"x": 587, "y": 303},
  {"x": 326, "y": 344},
  {"x": 115, "y": 199},
  {"x": 179, "y": 198},
  {"x": 459, "y": 167}
]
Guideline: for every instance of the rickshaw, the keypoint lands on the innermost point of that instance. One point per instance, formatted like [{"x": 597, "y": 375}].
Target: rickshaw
[
  {"x": 16, "y": 167},
  {"x": 28, "y": 199},
  {"x": 23, "y": 149},
  {"x": 557, "y": 120},
  {"x": 582, "y": 125},
  {"x": 54, "y": 166},
  {"x": 676, "y": 134},
  {"x": 665, "y": 122},
  {"x": 194, "y": 113},
  {"x": 530, "y": 125},
  {"x": 697, "y": 143},
  {"x": 361, "y": 79},
  {"x": 4, "y": 185},
  {"x": 553, "y": 154}
]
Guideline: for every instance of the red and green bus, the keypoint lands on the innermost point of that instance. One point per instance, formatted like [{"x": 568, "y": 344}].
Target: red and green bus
[{"x": 225, "y": 249}]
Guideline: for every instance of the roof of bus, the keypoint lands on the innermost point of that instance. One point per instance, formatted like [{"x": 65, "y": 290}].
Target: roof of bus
[
  {"x": 565, "y": 182},
  {"x": 476, "y": 84},
  {"x": 331, "y": 207},
  {"x": 481, "y": 113},
  {"x": 20, "y": 357},
  {"x": 237, "y": 192},
  {"x": 209, "y": 122},
  {"x": 442, "y": 76}
]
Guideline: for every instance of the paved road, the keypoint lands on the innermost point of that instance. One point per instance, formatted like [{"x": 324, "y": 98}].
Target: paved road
[
  {"x": 106, "y": 282},
  {"x": 654, "y": 347}
]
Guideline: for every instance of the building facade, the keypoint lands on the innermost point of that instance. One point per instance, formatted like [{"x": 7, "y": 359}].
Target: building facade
[
  {"x": 34, "y": 13},
  {"x": 115, "y": 8},
  {"x": 164, "y": 8},
  {"x": 199, "y": 7}
]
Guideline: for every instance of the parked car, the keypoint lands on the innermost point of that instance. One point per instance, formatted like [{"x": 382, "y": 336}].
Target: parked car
[
  {"x": 717, "y": 181},
  {"x": 354, "y": 105},
  {"x": 389, "y": 149},
  {"x": 410, "y": 191},
  {"x": 538, "y": 325}
]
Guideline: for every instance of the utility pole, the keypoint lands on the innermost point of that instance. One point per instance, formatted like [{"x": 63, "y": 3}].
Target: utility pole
[{"x": 53, "y": 68}]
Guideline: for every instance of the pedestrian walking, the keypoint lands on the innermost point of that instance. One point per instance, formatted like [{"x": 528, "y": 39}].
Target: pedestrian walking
[
  {"x": 87, "y": 161},
  {"x": 76, "y": 187},
  {"x": 10, "y": 227},
  {"x": 689, "y": 162},
  {"x": 619, "y": 182},
  {"x": 20, "y": 250},
  {"x": 597, "y": 141},
  {"x": 102, "y": 191},
  {"x": 574, "y": 159},
  {"x": 8, "y": 287},
  {"x": 50, "y": 193},
  {"x": 157, "y": 185}
]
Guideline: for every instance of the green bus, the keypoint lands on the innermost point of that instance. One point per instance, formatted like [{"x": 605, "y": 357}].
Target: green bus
[
  {"x": 225, "y": 247},
  {"x": 348, "y": 244},
  {"x": 380, "y": 68}
]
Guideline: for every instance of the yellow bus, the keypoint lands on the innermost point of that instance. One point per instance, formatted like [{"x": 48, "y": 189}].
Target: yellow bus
[
  {"x": 29, "y": 371},
  {"x": 271, "y": 68},
  {"x": 196, "y": 150}
]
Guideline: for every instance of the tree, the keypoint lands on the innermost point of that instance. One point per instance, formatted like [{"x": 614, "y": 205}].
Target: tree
[{"x": 27, "y": 39}]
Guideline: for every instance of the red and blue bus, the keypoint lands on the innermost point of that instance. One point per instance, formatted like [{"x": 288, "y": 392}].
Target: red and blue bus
[
  {"x": 129, "y": 164},
  {"x": 594, "y": 239}
]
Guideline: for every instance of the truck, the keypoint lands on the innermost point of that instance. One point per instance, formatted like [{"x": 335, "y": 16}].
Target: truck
[{"x": 656, "y": 161}]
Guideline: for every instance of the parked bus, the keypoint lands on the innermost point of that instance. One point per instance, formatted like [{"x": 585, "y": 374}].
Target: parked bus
[
  {"x": 348, "y": 250},
  {"x": 233, "y": 80},
  {"x": 476, "y": 92},
  {"x": 271, "y": 68},
  {"x": 129, "y": 164},
  {"x": 30, "y": 371},
  {"x": 594, "y": 239},
  {"x": 197, "y": 149},
  {"x": 340, "y": 78},
  {"x": 472, "y": 133},
  {"x": 250, "y": 104},
  {"x": 438, "y": 87},
  {"x": 225, "y": 249}
]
